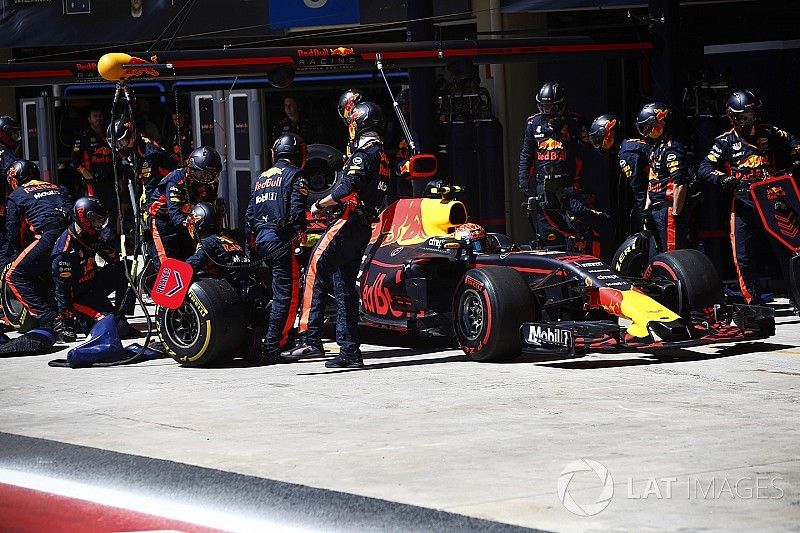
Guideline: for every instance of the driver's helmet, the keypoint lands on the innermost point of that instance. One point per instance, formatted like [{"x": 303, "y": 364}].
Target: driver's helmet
[{"x": 474, "y": 235}]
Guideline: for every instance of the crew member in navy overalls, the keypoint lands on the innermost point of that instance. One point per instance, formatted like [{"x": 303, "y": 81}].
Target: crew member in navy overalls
[
  {"x": 171, "y": 202},
  {"x": 633, "y": 155},
  {"x": 551, "y": 161},
  {"x": 276, "y": 216},
  {"x": 749, "y": 152},
  {"x": 36, "y": 213},
  {"x": 668, "y": 185},
  {"x": 217, "y": 251},
  {"x": 81, "y": 287},
  {"x": 338, "y": 253},
  {"x": 9, "y": 142}
]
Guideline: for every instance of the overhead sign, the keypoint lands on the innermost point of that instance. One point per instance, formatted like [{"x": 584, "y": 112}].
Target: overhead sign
[{"x": 303, "y": 13}]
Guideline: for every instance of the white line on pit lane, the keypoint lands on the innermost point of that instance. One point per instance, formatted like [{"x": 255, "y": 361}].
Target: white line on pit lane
[{"x": 141, "y": 504}]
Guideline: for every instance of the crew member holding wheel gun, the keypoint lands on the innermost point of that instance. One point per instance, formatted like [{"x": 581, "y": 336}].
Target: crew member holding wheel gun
[
  {"x": 747, "y": 153},
  {"x": 81, "y": 287},
  {"x": 551, "y": 154},
  {"x": 171, "y": 201},
  {"x": 338, "y": 253},
  {"x": 276, "y": 216}
]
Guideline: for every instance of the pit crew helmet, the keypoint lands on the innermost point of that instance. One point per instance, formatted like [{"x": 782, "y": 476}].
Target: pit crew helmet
[
  {"x": 121, "y": 134},
  {"x": 653, "y": 120},
  {"x": 551, "y": 99},
  {"x": 90, "y": 215},
  {"x": 21, "y": 172},
  {"x": 203, "y": 165},
  {"x": 203, "y": 220},
  {"x": 605, "y": 132},
  {"x": 474, "y": 235},
  {"x": 292, "y": 147},
  {"x": 744, "y": 110},
  {"x": 366, "y": 116},
  {"x": 9, "y": 132},
  {"x": 347, "y": 101}
]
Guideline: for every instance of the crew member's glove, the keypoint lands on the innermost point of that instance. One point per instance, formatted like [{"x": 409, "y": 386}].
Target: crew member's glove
[
  {"x": 729, "y": 183},
  {"x": 648, "y": 224},
  {"x": 64, "y": 327},
  {"x": 794, "y": 169},
  {"x": 556, "y": 124}
]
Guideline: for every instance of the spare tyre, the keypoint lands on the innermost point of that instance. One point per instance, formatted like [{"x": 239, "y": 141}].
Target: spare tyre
[
  {"x": 490, "y": 305},
  {"x": 323, "y": 170},
  {"x": 209, "y": 327},
  {"x": 699, "y": 286},
  {"x": 16, "y": 315}
]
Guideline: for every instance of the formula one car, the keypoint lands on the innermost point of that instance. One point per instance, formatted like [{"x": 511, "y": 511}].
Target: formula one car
[{"x": 420, "y": 276}]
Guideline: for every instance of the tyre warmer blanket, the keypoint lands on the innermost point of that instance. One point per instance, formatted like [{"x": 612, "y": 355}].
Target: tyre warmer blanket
[{"x": 103, "y": 347}]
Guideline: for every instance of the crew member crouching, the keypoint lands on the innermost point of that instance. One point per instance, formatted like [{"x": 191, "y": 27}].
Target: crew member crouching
[
  {"x": 219, "y": 255},
  {"x": 35, "y": 216},
  {"x": 81, "y": 287}
]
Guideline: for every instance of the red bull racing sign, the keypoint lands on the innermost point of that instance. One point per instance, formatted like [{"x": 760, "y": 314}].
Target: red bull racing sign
[{"x": 778, "y": 202}]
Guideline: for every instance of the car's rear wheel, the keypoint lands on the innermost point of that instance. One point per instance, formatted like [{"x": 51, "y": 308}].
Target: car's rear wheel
[
  {"x": 699, "y": 286},
  {"x": 489, "y": 306},
  {"x": 209, "y": 327}
]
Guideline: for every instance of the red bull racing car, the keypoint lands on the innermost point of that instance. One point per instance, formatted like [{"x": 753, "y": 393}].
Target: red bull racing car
[{"x": 426, "y": 271}]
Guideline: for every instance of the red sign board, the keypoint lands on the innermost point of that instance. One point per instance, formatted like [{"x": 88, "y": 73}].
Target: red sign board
[{"x": 172, "y": 283}]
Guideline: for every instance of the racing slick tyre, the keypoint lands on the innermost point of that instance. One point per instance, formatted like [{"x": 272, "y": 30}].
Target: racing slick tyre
[
  {"x": 490, "y": 305},
  {"x": 630, "y": 259},
  {"x": 16, "y": 315},
  {"x": 323, "y": 170},
  {"x": 209, "y": 327},
  {"x": 700, "y": 286}
]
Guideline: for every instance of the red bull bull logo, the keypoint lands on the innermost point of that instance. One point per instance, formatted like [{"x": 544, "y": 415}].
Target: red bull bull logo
[
  {"x": 550, "y": 144},
  {"x": 341, "y": 51},
  {"x": 753, "y": 161},
  {"x": 132, "y": 72}
]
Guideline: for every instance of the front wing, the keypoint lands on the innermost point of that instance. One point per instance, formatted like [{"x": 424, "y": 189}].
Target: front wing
[{"x": 743, "y": 322}]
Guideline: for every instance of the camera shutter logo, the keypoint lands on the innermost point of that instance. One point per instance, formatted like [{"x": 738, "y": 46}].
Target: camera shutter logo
[
  {"x": 315, "y": 4},
  {"x": 603, "y": 500}
]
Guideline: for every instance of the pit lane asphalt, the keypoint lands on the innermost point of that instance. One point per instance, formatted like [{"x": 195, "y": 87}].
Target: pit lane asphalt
[{"x": 423, "y": 426}]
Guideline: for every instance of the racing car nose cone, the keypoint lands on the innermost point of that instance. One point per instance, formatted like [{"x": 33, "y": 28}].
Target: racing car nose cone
[{"x": 672, "y": 331}]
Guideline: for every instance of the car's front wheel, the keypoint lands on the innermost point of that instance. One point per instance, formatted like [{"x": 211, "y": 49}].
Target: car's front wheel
[{"x": 490, "y": 305}]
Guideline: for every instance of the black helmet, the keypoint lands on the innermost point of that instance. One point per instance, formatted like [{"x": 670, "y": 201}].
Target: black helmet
[
  {"x": 204, "y": 165},
  {"x": 22, "y": 171},
  {"x": 605, "y": 132},
  {"x": 204, "y": 220},
  {"x": 290, "y": 146},
  {"x": 653, "y": 120},
  {"x": 9, "y": 132},
  {"x": 744, "y": 109},
  {"x": 366, "y": 116},
  {"x": 551, "y": 99},
  {"x": 121, "y": 133},
  {"x": 90, "y": 215},
  {"x": 347, "y": 101}
]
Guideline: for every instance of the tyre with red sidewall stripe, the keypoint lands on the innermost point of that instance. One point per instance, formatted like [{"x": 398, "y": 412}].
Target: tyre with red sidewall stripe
[
  {"x": 210, "y": 327},
  {"x": 15, "y": 313},
  {"x": 490, "y": 305},
  {"x": 700, "y": 285}
]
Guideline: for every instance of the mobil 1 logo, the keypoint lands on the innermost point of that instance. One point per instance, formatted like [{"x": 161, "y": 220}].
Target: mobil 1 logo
[{"x": 548, "y": 336}]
